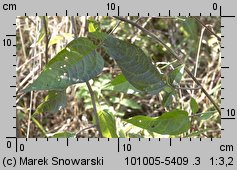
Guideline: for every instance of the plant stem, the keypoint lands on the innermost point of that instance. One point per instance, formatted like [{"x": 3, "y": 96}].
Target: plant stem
[
  {"x": 174, "y": 54},
  {"x": 94, "y": 108},
  {"x": 29, "y": 115},
  {"x": 46, "y": 40}
]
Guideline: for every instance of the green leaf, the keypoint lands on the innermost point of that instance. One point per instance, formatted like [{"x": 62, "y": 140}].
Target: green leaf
[
  {"x": 176, "y": 75},
  {"x": 193, "y": 105},
  {"x": 41, "y": 35},
  {"x": 207, "y": 115},
  {"x": 198, "y": 133},
  {"x": 130, "y": 103},
  {"x": 120, "y": 84},
  {"x": 107, "y": 124},
  {"x": 122, "y": 134},
  {"x": 39, "y": 126},
  {"x": 55, "y": 39},
  {"x": 77, "y": 63},
  {"x": 125, "y": 102},
  {"x": 42, "y": 30},
  {"x": 54, "y": 101},
  {"x": 168, "y": 98},
  {"x": 172, "y": 123},
  {"x": 62, "y": 135},
  {"x": 97, "y": 35},
  {"x": 93, "y": 26},
  {"x": 190, "y": 28},
  {"x": 135, "y": 65}
]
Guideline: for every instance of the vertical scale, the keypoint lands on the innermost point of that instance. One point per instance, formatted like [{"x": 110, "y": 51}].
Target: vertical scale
[
  {"x": 228, "y": 113},
  {"x": 9, "y": 48}
]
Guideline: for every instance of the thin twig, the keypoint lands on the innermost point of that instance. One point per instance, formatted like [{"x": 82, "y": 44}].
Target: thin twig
[
  {"x": 198, "y": 54},
  {"x": 173, "y": 53},
  {"x": 116, "y": 26},
  {"x": 89, "y": 88},
  {"x": 188, "y": 88},
  {"x": 73, "y": 27},
  {"x": 22, "y": 43},
  {"x": 77, "y": 135},
  {"x": 46, "y": 40},
  {"x": 29, "y": 115},
  {"x": 31, "y": 20},
  {"x": 208, "y": 29}
]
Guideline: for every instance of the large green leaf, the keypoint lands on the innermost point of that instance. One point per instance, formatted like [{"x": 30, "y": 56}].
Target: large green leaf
[
  {"x": 135, "y": 65},
  {"x": 107, "y": 124},
  {"x": 172, "y": 123},
  {"x": 54, "y": 101},
  {"x": 77, "y": 63}
]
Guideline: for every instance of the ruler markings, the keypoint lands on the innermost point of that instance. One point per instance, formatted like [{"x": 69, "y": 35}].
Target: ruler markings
[
  {"x": 118, "y": 11},
  {"x": 228, "y": 118},
  {"x": 118, "y": 145},
  {"x": 170, "y": 140}
]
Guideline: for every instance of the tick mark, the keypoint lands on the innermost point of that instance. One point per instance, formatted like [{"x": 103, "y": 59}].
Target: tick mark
[{"x": 228, "y": 118}]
